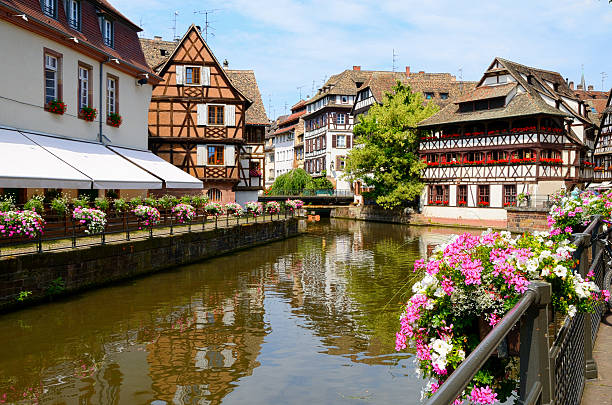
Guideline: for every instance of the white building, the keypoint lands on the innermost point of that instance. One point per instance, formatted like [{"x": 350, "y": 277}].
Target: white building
[
  {"x": 283, "y": 152},
  {"x": 60, "y": 62}
]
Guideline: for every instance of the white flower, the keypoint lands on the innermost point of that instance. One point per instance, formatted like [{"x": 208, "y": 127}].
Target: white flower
[
  {"x": 505, "y": 235},
  {"x": 571, "y": 311},
  {"x": 441, "y": 347},
  {"x": 549, "y": 243},
  {"x": 461, "y": 354},
  {"x": 428, "y": 281},
  {"x": 544, "y": 254},
  {"x": 560, "y": 271},
  {"x": 545, "y": 272},
  {"x": 532, "y": 266},
  {"x": 417, "y": 287},
  {"x": 439, "y": 292},
  {"x": 439, "y": 361}
]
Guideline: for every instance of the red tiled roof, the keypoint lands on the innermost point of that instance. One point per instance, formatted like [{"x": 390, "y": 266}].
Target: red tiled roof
[
  {"x": 292, "y": 117},
  {"x": 126, "y": 47},
  {"x": 283, "y": 130}
]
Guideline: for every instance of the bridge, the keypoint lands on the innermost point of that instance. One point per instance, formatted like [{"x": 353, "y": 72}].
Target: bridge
[
  {"x": 557, "y": 363},
  {"x": 316, "y": 197}
]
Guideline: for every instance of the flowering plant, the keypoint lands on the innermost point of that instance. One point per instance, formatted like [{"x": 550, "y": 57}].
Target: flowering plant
[
  {"x": 255, "y": 173},
  {"x": 148, "y": 215},
  {"x": 273, "y": 207},
  {"x": 93, "y": 219},
  {"x": 233, "y": 208},
  {"x": 114, "y": 120},
  {"x": 88, "y": 113},
  {"x": 572, "y": 212},
  {"x": 214, "y": 208},
  {"x": 21, "y": 223},
  {"x": 184, "y": 213},
  {"x": 294, "y": 204},
  {"x": 476, "y": 280},
  {"x": 483, "y": 203},
  {"x": 462, "y": 203},
  {"x": 253, "y": 207},
  {"x": 56, "y": 107}
]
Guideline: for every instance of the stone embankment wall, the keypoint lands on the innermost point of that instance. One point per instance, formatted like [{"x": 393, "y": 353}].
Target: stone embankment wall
[
  {"x": 84, "y": 268},
  {"x": 525, "y": 220}
]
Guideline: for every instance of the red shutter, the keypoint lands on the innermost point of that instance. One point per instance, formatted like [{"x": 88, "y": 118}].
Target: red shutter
[
  {"x": 333, "y": 141},
  {"x": 348, "y": 141}
]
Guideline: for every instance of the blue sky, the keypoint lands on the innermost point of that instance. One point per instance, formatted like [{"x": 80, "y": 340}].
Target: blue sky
[{"x": 291, "y": 43}]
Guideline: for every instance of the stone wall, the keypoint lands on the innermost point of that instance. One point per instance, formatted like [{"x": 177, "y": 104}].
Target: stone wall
[
  {"x": 84, "y": 268},
  {"x": 373, "y": 213},
  {"x": 523, "y": 220}
]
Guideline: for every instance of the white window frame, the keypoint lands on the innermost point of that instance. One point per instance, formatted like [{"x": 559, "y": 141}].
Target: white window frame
[
  {"x": 340, "y": 119},
  {"x": 83, "y": 101},
  {"x": 342, "y": 144},
  {"x": 111, "y": 96},
  {"x": 50, "y": 8},
  {"x": 74, "y": 14},
  {"x": 51, "y": 65},
  {"x": 108, "y": 32}
]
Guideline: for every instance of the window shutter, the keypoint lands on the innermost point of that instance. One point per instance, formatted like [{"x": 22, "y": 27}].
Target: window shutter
[
  {"x": 180, "y": 74},
  {"x": 230, "y": 155},
  {"x": 230, "y": 115},
  {"x": 348, "y": 141},
  {"x": 334, "y": 143},
  {"x": 202, "y": 114},
  {"x": 201, "y": 158},
  {"x": 337, "y": 162},
  {"x": 205, "y": 76}
]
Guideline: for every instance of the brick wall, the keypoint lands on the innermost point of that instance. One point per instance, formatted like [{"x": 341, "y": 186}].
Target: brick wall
[
  {"x": 93, "y": 266},
  {"x": 524, "y": 221}
]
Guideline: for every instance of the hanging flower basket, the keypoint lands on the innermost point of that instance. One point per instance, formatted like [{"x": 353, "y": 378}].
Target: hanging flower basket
[
  {"x": 114, "y": 120},
  {"x": 184, "y": 213},
  {"x": 88, "y": 114},
  {"x": 56, "y": 107},
  {"x": 149, "y": 216},
  {"x": 233, "y": 208}
]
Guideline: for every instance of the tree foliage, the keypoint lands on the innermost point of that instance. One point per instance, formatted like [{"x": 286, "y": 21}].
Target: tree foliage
[
  {"x": 385, "y": 155},
  {"x": 291, "y": 182}
]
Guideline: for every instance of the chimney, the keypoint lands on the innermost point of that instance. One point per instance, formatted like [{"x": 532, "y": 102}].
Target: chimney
[
  {"x": 590, "y": 87},
  {"x": 571, "y": 85},
  {"x": 199, "y": 29},
  {"x": 225, "y": 64},
  {"x": 579, "y": 87},
  {"x": 356, "y": 67},
  {"x": 407, "y": 70},
  {"x": 157, "y": 38}
]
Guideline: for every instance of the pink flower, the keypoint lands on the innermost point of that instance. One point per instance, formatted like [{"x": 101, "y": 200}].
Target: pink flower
[
  {"x": 484, "y": 395},
  {"x": 606, "y": 295},
  {"x": 568, "y": 229},
  {"x": 400, "y": 341}
]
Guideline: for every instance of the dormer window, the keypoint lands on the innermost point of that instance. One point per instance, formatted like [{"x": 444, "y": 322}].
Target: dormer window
[
  {"x": 429, "y": 95},
  {"x": 49, "y": 7},
  {"x": 163, "y": 52},
  {"x": 73, "y": 12},
  {"x": 108, "y": 32}
]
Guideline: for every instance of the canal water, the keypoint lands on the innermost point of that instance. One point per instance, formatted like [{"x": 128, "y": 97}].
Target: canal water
[{"x": 309, "y": 320}]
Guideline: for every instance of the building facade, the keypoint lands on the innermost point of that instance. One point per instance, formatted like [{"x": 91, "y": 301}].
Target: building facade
[
  {"x": 199, "y": 118},
  {"x": 288, "y": 140},
  {"x": 602, "y": 159},
  {"x": 76, "y": 85},
  {"x": 520, "y": 132}
]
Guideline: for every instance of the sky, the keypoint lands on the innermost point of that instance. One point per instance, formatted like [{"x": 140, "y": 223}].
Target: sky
[{"x": 295, "y": 45}]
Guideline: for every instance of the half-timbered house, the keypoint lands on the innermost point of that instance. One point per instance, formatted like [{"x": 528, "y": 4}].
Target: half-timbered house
[
  {"x": 521, "y": 131},
  {"x": 603, "y": 149},
  {"x": 199, "y": 117}
]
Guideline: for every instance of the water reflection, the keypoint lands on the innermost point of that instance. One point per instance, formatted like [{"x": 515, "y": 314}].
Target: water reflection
[{"x": 310, "y": 319}]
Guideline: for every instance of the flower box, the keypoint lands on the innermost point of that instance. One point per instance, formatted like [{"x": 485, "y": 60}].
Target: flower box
[
  {"x": 114, "y": 120},
  {"x": 462, "y": 203},
  {"x": 483, "y": 203},
  {"x": 88, "y": 114},
  {"x": 56, "y": 107}
]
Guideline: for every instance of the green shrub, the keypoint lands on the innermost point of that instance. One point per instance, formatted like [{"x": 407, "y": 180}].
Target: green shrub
[
  {"x": 150, "y": 201},
  {"x": 80, "y": 202},
  {"x": 7, "y": 203},
  {"x": 135, "y": 202},
  {"x": 120, "y": 205},
  {"x": 59, "y": 205},
  {"x": 167, "y": 201},
  {"x": 291, "y": 183},
  {"x": 186, "y": 199},
  {"x": 36, "y": 204},
  {"x": 102, "y": 204},
  {"x": 199, "y": 200}
]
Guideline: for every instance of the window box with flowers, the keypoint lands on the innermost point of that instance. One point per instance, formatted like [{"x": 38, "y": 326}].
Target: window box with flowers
[
  {"x": 510, "y": 204},
  {"x": 255, "y": 173},
  {"x": 114, "y": 120},
  {"x": 598, "y": 168},
  {"x": 462, "y": 203},
  {"x": 483, "y": 203},
  {"x": 551, "y": 161},
  {"x": 88, "y": 114},
  {"x": 56, "y": 107}
]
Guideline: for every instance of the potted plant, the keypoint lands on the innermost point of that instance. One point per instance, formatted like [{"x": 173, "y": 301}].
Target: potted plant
[
  {"x": 483, "y": 203},
  {"x": 114, "y": 120},
  {"x": 184, "y": 212},
  {"x": 56, "y": 107},
  {"x": 88, "y": 114},
  {"x": 462, "y": 203}
]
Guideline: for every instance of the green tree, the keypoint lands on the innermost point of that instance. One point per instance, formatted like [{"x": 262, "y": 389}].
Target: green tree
[
  {"x": 386, "y": 142},
  {"x": 293, "y": 182}
]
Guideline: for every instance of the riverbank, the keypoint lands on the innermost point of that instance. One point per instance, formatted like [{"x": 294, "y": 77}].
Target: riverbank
[
  {"x": 515, "y": 220},
  {"x": 58, "y": 273}
]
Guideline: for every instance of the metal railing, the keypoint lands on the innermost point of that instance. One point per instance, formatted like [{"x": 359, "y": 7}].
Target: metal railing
[
  {"x": 553, "y": 366},
  {"x": 63, "y": 232}
]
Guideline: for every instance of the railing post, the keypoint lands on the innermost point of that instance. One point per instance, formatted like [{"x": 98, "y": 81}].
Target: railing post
[
  {"x": 103, "y": 237},
  {"x": 171, "y": 226},
  {"x": 39, "y": 243},
  {"x": 216, "y": 222},
  {"x": 536, "y": 374},
  {"x": 73, "y": 234}
]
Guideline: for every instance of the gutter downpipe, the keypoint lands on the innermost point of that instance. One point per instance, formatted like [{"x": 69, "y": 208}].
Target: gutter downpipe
[{"x": 102, "y": 63}]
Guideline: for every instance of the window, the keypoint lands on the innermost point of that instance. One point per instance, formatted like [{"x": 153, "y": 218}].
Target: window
[
  {"x": 214, "y": 194},
  {"x": 74, "y": 14},
  {"x": 344, "y": 99},
  {"x": 483, "y": 196},
  {"x": 340, "y": 119},
  {"x": 50, "y": 8},
  {"x": 84, "y": 81},
  {"x": 462, "y": 195},
  {"x": 340, "y": 163},
  {"x": 444, "y": 96},
  {"x": 112, "y": 96},
  {"x": 510, "y": 195},
  {"x": 341, "y": 141},
  {"x": 215, "y": 115},
  {"x": 192, "y": 75},
  {"x": 429, "y": 95},
  {"x": 52, "y": 71},
  {"x": 438, "y": 195},
  {"x": 108, "y": 32},
  {"x": 215, "y": 155}
]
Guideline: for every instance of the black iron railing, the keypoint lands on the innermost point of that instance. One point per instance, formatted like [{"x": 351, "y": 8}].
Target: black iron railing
[{"x": 554, "y": 365}]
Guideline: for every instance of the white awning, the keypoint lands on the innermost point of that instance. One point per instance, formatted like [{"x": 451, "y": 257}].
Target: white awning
[
  {"x": 24, "y": 164},
  {"x": 172, "y": 176},
  {"x": 107, "y": 169}
]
